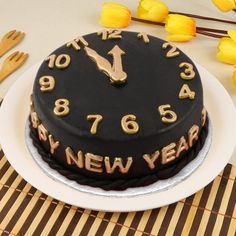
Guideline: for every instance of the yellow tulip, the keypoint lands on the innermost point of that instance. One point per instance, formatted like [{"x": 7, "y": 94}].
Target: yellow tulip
[
  {"x": 114, "y": 15},
  {"x": 180, "y": 28},
  {"x": 152, "y": 10},
  {"x": 227, "y": 48},
  {"x": 234, "y": 78},
  {"x": 225, "y": 5}
]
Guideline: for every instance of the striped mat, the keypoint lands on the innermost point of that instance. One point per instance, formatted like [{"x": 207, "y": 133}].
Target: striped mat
[{"x": 25, "y": 210}]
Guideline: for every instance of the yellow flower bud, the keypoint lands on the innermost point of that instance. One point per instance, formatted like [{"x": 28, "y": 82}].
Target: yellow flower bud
[
  {"x": 225, "y": 5},
  {"x": 114, "y": 15},
  {"x": 180, "y": 28},
  {"x": 152, "y": 10},
  {"x": 234, "y": 78},
  {"x": 227, "y": 48}
]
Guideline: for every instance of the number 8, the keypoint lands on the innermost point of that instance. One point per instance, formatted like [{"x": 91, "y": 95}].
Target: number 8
[{"x": 61, "y": 107}]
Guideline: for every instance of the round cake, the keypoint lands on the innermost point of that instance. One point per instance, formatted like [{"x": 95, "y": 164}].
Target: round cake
[{"x": 116, "y": 110}]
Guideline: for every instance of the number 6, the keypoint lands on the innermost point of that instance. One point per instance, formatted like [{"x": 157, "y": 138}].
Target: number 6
[{"x": 129, "y": 125}]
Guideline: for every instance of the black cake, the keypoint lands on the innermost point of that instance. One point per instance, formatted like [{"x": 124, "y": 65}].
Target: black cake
[{"x": 118, "y": 109}]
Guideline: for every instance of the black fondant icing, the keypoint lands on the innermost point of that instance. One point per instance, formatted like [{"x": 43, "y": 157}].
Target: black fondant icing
[{"x": 153, "y": 80}]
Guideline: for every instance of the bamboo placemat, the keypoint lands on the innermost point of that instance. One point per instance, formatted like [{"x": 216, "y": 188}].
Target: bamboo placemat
[{"x": 25, "y": 210}]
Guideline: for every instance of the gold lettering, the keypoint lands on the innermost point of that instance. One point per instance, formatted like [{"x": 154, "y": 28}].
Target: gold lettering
[
  {"x": 72, "y": 158},
  {"x": 75, "y": 43},
  {"x": 31, "y": 103},
  {"x": 182, "y": 145},
  {"x": 186, "y": 92},
  {"x": 53, "y": 145},
  {"x": 144, "y": 36},
  {"x": 117, "y": 163},
  {"x": 42, "y": 132},
  {"x": 173, "y": 52},
  {"x": 93, "y": 162},
  {"x": 110, "y": 34},
  {"x": 189, "y": 72},
  {"x": 204, "y": 116},
  {"x": 150, "y": 159},
  {"x": 193, "y": 134},
  {"x": 168, "y": 153},
  {"x": 34, "y": 119}
]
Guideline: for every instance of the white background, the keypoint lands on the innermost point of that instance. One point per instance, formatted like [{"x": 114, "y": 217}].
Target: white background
[{"x": 49, "y": 24}]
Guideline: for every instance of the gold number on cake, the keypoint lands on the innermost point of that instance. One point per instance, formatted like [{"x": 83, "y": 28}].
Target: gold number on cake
[
  {"x": 144, "y": 36},
  {"x": 62, "y": 61},
  {"x": 96, "y": 120},
  {"x": 47, "y": 83},
  {"x": 51, "y": 60},
  {"x": 173, "y": 50},
  {"x": 186, "y": 92},
  {"x": 61, "y": 107},
  {"x": 129, "y": 124},
  {"x": 110, "y": 34},
  {"x": 189, "y": 72},
  {"x": 75, "y": 43},
  {"x": 167, "y": 115},
  {"x": 204, "y": 116}
]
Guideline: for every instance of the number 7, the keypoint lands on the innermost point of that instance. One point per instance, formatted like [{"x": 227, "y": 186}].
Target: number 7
[{"x": 96, "y": 120}]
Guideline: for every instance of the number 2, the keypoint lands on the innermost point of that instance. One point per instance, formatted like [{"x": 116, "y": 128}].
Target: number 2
[{"x": 172, "y": 52}]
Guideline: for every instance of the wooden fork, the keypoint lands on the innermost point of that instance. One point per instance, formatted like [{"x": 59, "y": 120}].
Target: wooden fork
[
  {"x": 10, "y": 40},
  {"x": 12, "y": 63}
]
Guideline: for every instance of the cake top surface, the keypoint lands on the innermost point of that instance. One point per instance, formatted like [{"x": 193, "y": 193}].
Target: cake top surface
[{"x": 112, "y": 75}]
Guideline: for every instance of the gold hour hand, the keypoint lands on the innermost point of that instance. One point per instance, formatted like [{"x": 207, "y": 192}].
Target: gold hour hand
[{"x": 114, "y": 72}]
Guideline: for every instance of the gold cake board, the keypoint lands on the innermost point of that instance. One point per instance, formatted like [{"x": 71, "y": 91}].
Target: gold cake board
[{"x": 25, "y": 210}]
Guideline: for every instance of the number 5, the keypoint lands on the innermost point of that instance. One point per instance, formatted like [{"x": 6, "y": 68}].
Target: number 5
[{"x": 167, "y": 115}]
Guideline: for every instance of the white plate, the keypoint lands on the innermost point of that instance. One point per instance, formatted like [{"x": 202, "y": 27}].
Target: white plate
[{"x": 15, "y": 110}]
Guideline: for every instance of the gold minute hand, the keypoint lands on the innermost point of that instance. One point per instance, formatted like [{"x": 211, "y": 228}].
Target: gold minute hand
[
  {"x": 114, "y": 72},
  {"x": 118, "y": 73}
]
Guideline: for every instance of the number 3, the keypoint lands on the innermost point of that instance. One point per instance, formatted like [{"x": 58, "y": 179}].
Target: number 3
[
  {"x": 188, "y": 73},
  {"x": 167, "y": 115}
]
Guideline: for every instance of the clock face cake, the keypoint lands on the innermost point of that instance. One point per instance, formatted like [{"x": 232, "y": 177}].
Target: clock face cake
[{"x": 116, "y": 110}]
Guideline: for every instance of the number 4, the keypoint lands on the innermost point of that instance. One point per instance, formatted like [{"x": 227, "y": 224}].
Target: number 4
[{"x": 185, "y": 92}]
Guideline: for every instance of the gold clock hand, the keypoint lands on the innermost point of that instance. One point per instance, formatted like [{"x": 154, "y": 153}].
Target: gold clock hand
[
  {"x": 114, "y": 72},
  {"x": 102, "y": 63},
  {"x": 118, "y": 73}
]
